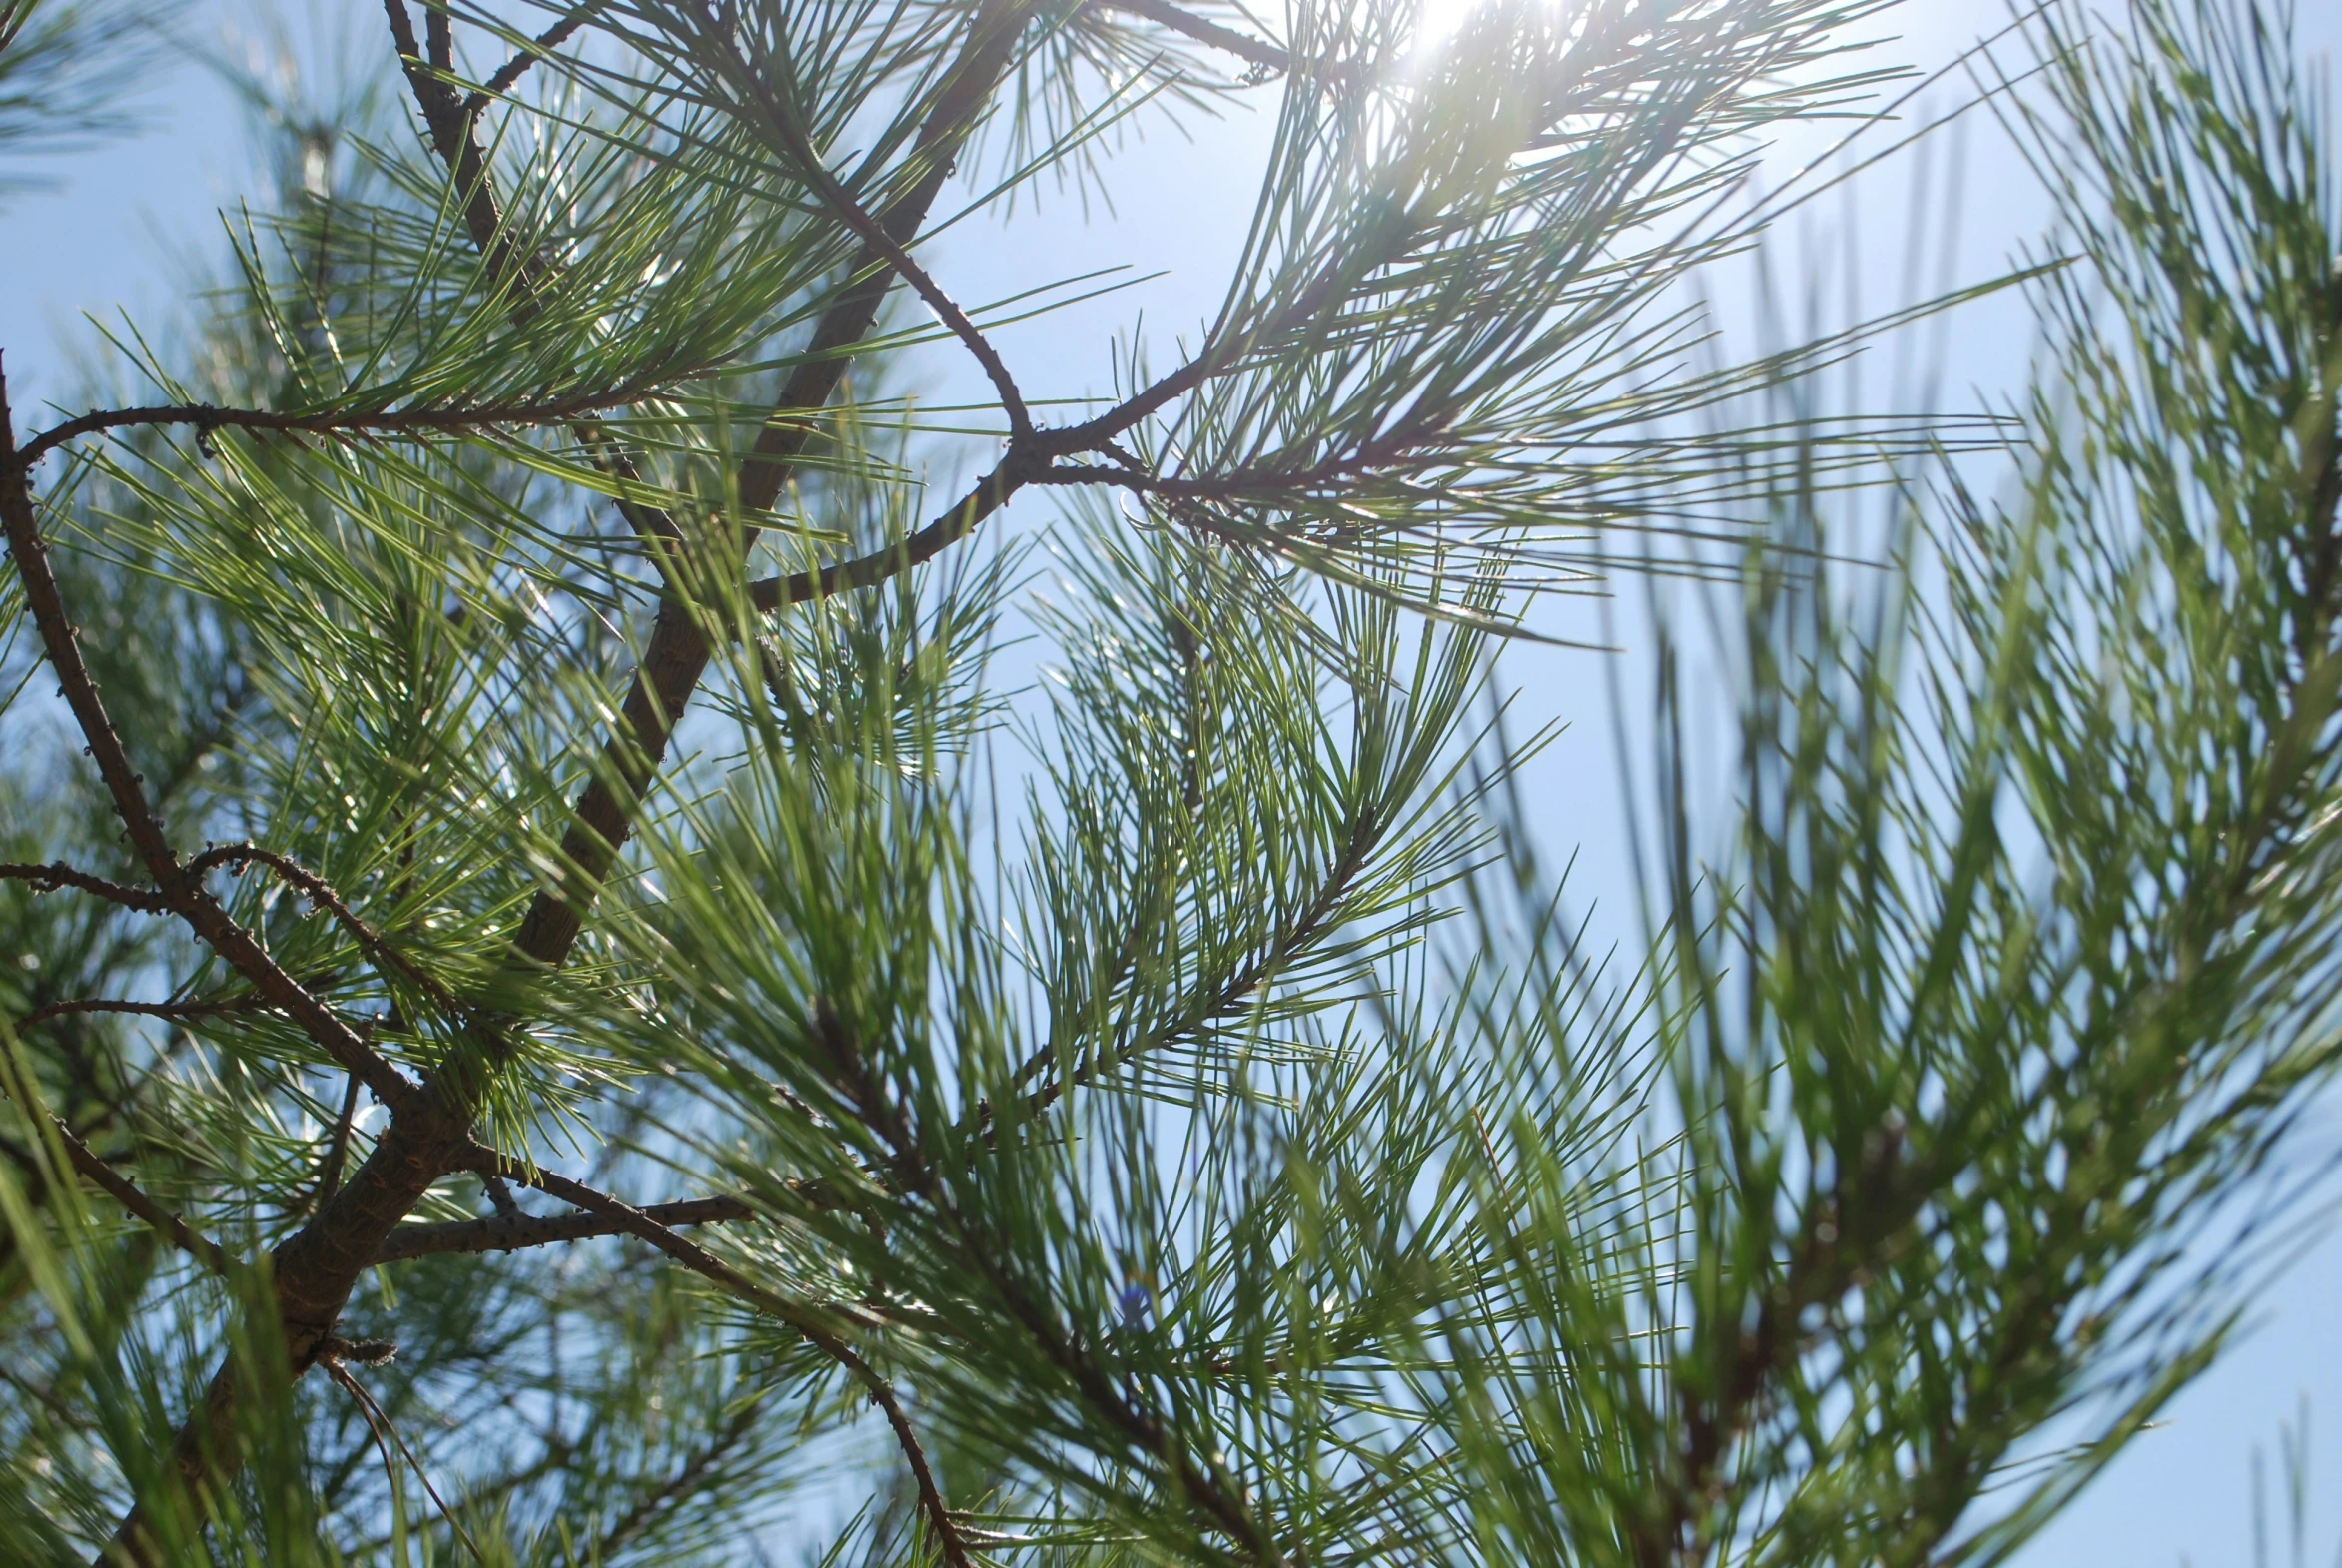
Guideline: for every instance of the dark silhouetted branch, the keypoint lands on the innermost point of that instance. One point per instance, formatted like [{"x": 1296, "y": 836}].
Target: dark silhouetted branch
[{"x": 511, "y": 71}]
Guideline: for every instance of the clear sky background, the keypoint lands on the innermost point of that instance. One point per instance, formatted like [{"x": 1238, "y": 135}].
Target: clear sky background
[{"x": 128, "y": 226}]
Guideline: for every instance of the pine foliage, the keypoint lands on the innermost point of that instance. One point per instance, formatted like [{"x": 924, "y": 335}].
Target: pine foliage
[{"x": 569, "y": 1003}]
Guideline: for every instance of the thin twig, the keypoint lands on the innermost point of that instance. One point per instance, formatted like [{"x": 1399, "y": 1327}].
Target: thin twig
[
  {"x": 512, "y": 1232},
  {"x": 321, "y": 893},
  {"x": 201, "y": 1248},
  {"x": 931, "y": 1496},
  {"x": 204, "y": 418},
  {"x": 873, "y": 233},
  {"x": 511, "y": 71},
  {"x": 170, "y": 1010},
  {"x": 57, "y": 874},
  {"x": 990, "y": 494},
  {"x": 1217, "y": 359},
  {"x": 1259, "y": 52},
  {"x": 798, "y": 1315},
  {"x": 374, "y": 1413}
]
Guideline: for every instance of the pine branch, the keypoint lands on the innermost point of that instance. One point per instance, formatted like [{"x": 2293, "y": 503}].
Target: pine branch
[
  {"x": 1314, "y": 920},
  {"x": 807, "y": 1321},
  {"x": 321, "y": 893},
  {"x": 1851, "y": 1232},
  {"x": 875, "y": 238},
  {"x": 512, "y": 1232},
  {"x": 124, "y": 1192},
  {"x": 59, "y": 639},
  {"x": 170, "y": 1010},
  {"x": 990, "y": 494},
  {"x": 57, "y": 874},
  {"x": 1207, "y": 1485},
  {"x": 452, "y": 134},
  {"x": 429, "y": 1132},
  {"x": 1258, "y": 52},
  {"x": 677, "y": 653},
  {"x": 1218, "y": 357},
  {"x": 509, "y": 75},
  {"x": 646, "y": 1509},
  {"x": 204, "y": 419}
]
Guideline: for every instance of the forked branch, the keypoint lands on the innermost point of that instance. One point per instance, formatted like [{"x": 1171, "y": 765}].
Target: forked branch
[{"x": 126, "y": 788}]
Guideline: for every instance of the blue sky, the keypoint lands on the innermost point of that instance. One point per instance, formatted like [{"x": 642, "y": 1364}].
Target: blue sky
[{"x": 129, "y": 224}]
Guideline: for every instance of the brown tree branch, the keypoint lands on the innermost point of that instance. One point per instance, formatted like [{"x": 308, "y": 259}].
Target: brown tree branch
[
  {"x": 173, "y": 1009},
  {"x": 512, "y": 1232},
  {"x": 429, "y": 1132},
  {"x": 876, "y": 242},
  {"x": 321, "y": 893},
  {"x": 511, "y": 71},
  {"x": 211, "y": 922},
  {"x": 679, "y": 653},
  {"x": 395, "y": 421},
  {"x": 990, "y": 494},
  {"x": 806, "y": 1321},
  {"x": 124, "y": 1192},
  {"x": 451, "y": 134},
  {"x": 57, "y": 874}
]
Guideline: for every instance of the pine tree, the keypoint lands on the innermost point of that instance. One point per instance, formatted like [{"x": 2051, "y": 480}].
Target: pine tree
[{"x": 568, "y": 1004}]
